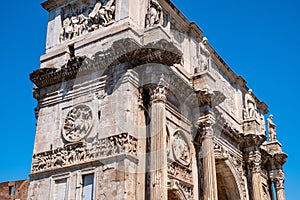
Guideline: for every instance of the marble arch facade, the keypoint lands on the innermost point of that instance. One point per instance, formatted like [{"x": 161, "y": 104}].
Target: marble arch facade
[{"x": 138, "y": 105}]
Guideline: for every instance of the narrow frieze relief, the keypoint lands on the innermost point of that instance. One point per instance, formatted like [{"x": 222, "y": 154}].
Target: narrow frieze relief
[
  {"x": 80, "y": 19},
  {"x": 77, "y": 153},
  {"x": 180, "y": 172}
]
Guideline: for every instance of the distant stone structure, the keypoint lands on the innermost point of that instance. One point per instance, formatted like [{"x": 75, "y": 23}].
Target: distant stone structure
[
  {"x": 134, "y": 103},
  {"x": 14, "y": 190}
]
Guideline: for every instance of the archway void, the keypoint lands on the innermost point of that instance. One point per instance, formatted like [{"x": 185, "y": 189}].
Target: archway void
[{"x": 227, "y": 186}]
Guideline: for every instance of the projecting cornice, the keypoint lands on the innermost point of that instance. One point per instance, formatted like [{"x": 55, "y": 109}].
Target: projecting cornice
[
  {"x": 51, "y": 4},
  {"x": 162, "y": 52}
]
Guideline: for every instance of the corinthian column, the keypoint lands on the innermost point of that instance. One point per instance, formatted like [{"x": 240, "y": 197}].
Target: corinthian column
[
  {"x": 279, "y": 185},
  {"x": 158, "y": 153},
  {"x": 208, "y": 158},
  {"x": 254, "y": 160}
]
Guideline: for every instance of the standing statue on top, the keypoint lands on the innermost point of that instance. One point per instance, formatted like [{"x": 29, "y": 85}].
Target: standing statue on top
[
  {"x": 271, "y": 129},
  {"x": 204, "y": 56},
  {"x": 250, "y": 111}
]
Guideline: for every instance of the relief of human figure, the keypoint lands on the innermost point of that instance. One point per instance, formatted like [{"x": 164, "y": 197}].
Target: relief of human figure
[
  {"x": 271, "y": 129},
  {"x": 110, "y": 10},
  {"x": 250, "y": 105},
  {"x": 67, "y": 29},
  {"x": 97, "y": 16},
  {"x": 83, "y": 24},
  {"x": 154, "y": 14},
  {"x": 83, "y": 19}
]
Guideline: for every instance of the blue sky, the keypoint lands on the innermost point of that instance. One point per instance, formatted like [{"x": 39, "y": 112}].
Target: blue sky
[{"x": 258, "y": 39}]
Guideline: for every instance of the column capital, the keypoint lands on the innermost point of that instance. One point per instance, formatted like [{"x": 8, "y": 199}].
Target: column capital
[
  {"x": 254, "y": 161},
  {"x": 277, "y": 176},
  {"x": 158, "y": 92},
  {"x": 205, "y": 125}
]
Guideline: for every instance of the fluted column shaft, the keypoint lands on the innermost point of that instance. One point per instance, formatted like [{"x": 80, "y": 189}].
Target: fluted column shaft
[
  {"x": 158, "y": 153},
  {"x": 210, "y": 190},
  {"x": 279, "y": 185},
  {"x": 255, "y": 167}
]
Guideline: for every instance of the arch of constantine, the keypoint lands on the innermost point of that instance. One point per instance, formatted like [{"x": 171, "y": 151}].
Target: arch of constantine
[{"x": 134, "y": 103}]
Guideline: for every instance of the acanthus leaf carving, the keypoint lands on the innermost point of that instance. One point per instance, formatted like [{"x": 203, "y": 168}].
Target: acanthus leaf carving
[
  {"x": 254, "y": 161},
  {"x": 160, "y": 91}
]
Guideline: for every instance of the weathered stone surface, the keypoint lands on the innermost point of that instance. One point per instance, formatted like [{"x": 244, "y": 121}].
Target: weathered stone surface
[{"x": 14, "y": 190}]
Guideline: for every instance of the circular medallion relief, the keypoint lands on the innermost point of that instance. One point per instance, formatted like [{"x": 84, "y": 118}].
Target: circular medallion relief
[
  {"x": 181, "y": 148},
  {"x": 78, "y": 123}
]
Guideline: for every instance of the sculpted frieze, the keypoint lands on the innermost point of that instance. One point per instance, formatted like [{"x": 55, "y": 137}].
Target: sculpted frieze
[
  {"x": 180, "y": 172},
  {"x": 76, "y": 153},
  {"x": 80, "y": 19}
]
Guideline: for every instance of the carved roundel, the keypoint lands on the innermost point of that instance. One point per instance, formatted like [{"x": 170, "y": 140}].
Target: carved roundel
[
  {"x": 78, "y": 123},
  {"x": 181, "y": 148}
]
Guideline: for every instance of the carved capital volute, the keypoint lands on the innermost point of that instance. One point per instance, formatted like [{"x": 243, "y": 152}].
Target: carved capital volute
[
  {"x": 158, "y": 92},
  {"x": 277, "y": 176},
  {"x": 205, "y": 125},
  {"x": 254, "y": 161},
  {"x": 279, "y": 160}
]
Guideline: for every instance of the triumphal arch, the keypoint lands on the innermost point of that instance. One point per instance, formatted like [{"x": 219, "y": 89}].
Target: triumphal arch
[{"x": 134, "y": 103}]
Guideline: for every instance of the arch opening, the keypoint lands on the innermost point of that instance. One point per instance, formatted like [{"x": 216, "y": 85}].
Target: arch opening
[{"x": 226, "y": 182}]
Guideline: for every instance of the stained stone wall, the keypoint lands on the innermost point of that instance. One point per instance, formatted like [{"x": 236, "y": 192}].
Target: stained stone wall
[
  {"x": 133, "y": 94},
  {"x": 14, "y": 190}
]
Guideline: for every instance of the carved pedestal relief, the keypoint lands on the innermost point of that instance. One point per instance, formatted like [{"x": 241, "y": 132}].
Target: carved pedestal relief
[{"x": 80, "y": 19}]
